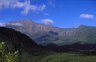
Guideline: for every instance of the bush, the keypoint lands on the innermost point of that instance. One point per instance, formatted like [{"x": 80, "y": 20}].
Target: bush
[{"x": 9, "y": 56}]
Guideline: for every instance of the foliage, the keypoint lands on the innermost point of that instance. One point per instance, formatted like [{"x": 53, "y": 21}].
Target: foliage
[
  {"x": 2, "y": 47},
  {"x": 9, "y": 56}
]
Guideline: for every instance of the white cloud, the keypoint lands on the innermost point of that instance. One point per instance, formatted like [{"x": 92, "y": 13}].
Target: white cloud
[
  {"x": 15, "y": 24},
  {"x": 2, "y": 24},
  {"x": 26, "y": 5},
  {"x": 42, "y": 7},
  {"x": 7, "y": 3},
  {"x": 87, "y": 16},
  {"x": 48, "y": 21}
]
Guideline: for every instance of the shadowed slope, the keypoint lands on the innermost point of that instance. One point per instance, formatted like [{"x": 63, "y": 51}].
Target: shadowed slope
[{"x": 17, "y": 41}]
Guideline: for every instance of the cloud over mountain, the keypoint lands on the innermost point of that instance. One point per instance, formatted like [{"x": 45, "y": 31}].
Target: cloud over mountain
[
  {"x": 15, "y": 24},
  {"x": 2, "y": 24},
  {"x": 48, "y": 21}
]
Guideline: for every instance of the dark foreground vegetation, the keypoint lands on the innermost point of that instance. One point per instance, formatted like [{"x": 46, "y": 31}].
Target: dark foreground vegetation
[{"x": 17, "y": 56}]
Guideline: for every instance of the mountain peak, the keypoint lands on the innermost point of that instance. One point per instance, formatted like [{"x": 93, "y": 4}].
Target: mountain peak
[
  {"x": 21, "y": 23},
  {"x": 24, "y": 21},
  {"x": 83, "y": 26}
]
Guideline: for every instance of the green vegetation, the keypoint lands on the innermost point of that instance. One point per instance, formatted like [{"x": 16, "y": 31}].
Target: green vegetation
[
  {"x": 52, "y": 57},
  {"x": 7, "y": 56},
  {"x": 68, "y": 57}
]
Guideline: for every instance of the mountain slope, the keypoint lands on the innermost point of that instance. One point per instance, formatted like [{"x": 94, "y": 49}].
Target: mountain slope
[
  {"x": 38, "y": 31},
  {"x": 46, "y": 35},
  {"x": 19, "y": 41}
]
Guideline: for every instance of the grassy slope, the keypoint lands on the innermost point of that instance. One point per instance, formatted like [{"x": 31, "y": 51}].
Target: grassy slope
[{"x": 64, "y": 57}]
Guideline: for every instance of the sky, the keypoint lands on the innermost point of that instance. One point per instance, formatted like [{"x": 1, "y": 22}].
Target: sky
[{"x": 59, "y": 13}]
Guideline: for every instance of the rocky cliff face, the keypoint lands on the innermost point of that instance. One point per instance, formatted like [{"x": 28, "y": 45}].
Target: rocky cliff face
[
  {"x": 31, "y": 28},
  {"x": 43, "y": 34}
]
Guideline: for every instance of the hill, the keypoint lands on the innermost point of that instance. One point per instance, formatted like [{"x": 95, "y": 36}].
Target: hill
[
  {"x": 16, "y": 40},
  {"x": 46, "y": 35}
]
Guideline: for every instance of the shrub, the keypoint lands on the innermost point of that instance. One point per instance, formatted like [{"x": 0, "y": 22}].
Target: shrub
[{"x": 9, "y": 56}]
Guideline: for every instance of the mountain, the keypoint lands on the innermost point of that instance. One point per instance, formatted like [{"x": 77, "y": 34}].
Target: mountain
[
  {"x": 46, "y": 35},
  {"x": 16, "y": 40},
  {"x": 32, "y": 29}
]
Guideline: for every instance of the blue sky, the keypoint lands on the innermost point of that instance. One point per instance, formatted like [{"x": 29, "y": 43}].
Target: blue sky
[{"x": 60, "y": 13}]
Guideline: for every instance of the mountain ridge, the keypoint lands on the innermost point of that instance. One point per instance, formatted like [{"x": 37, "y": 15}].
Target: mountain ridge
[{"x": 45, "y": 34}]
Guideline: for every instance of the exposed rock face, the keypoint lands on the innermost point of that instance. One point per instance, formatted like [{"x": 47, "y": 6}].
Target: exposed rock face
[
  {"x": 38, "y": 31},
  {"x": 43, "y": 34},
  {"x": 16, "y": 40}
]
